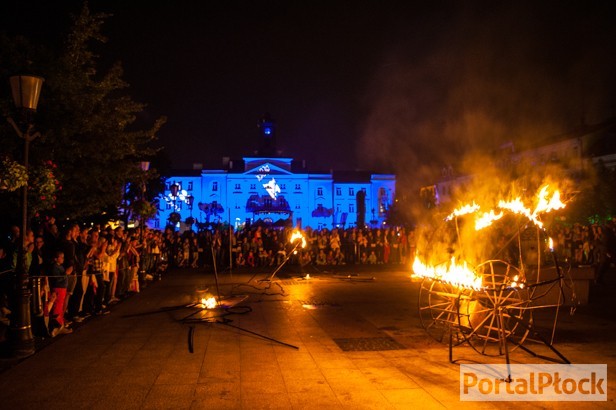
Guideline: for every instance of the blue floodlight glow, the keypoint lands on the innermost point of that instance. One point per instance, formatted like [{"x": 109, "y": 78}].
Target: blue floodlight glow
[{"x": 267, "y": 131}]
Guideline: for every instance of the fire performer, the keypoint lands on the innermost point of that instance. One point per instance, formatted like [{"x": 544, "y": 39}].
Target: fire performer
[{"x": 296, "y": 241}]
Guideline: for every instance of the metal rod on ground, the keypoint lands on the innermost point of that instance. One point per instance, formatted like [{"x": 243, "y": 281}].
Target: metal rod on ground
[
  {"x": 192, "y": 314},
  {"x": 284, "y": 261},
  {"x": 257, "y": 334},
  {"x": 561, "y": 296},
  {"x": 503, "y": 339},
  {"x": 191, "y": 333},
  {"x": 162, "y": 310},
  {"x": 216, "y": 277}
]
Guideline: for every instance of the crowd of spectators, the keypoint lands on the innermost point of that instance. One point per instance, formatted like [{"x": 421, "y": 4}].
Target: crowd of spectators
[
  {"x": 76, "y": 272},
  {"x": 79, "y": 271},
  {"x": 587, "y": 245},
  {"x": 263, "y": 247}
]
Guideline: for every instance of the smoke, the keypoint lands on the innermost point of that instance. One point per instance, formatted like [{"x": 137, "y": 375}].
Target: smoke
[{"x": 476, "y": 77}]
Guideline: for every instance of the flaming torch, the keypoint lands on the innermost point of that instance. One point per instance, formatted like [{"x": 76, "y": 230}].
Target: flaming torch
[
  {"x": 551, "y": 246},
  {"x": 296, "y": 238}
]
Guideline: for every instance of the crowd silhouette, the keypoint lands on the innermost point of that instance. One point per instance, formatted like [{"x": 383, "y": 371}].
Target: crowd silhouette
[{"x": 80, "y": 271}]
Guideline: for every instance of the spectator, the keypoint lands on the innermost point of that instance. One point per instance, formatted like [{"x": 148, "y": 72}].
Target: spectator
[
  {"x": 67, "y": 246},
  {"x": 240, "y": 261},
  {"x": 372, "y": 259},
  {"x": 58, "y": 282},
  {"x": 113, "y": 253},
  {"x": 250, "y": 259}
]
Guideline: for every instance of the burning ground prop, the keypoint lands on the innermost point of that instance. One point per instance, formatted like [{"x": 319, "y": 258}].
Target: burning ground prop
[
  {"x": 483, "y": 274},
  {"x": 213, "y": 309}
]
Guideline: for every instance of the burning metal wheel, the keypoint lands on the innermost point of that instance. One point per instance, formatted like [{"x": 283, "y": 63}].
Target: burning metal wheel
[
  {"x": 493, "y": 316},
  {"x": 439, "y": 311},
  {"x": 484, "y": 304},
  {"x": 481, "y": 285}
]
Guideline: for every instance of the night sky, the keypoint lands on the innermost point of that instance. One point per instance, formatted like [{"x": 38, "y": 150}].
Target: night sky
[{"x": 388, "y": 86}]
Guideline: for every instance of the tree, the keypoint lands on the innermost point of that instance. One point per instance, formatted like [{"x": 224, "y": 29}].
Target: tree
[
  {"x": 92, "y": 137},
  {"x": 88, "y": 122},
  {"x": 596, "y": 200}
]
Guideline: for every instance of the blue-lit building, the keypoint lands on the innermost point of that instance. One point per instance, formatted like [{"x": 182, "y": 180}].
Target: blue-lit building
[{"x": 269, "y": 189}]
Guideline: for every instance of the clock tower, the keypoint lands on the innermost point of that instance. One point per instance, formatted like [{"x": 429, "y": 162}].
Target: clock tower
[{"x": 267, "y": 136}]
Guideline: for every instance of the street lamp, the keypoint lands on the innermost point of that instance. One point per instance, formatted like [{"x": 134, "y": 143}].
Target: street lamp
[
  {"x": 26, "y": 91},
  {"x": 174, "y": 189},
  {"x": 145, "y": 167},
  {"x": 190, "y": 200}
]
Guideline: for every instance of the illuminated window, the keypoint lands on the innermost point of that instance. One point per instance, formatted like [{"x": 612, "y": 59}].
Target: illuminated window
[
  {"x": 320, "y": 191},
  {"x": 338, "y": 191},
  {"x": 215, "y": 186},
  {"x": 352, "y": 191},
  {"x": 190, "y": 186}
]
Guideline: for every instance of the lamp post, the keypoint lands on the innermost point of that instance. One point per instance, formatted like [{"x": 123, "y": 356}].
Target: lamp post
[
  {"x": 190, "y": 200},
  {"x": 26, "y": 91},
  {"x": 174, "y": 188},
  {"x": 145, "y": 167}
]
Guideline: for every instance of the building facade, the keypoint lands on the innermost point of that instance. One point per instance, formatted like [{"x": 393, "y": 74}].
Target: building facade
[
  {"x": 272, "y": 190},
  {"x": 575, "y": 152}
]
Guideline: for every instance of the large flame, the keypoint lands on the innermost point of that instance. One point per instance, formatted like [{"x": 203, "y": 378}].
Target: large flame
[
  {"x": 486, "y": 219},
  {"x": 452, "y": 273},
  {"x": 545, "y": 204},
  {"x": 459, "y": 274},
  {"x": 516, "y": 206},
  {"x": 463, "y": 210},
  {"x": 209, "y": 303},
  {"x": 298, "y": 235}
]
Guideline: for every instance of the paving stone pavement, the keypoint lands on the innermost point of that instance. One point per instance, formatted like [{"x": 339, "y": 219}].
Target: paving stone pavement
[{"x": 328, "y": 342}]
